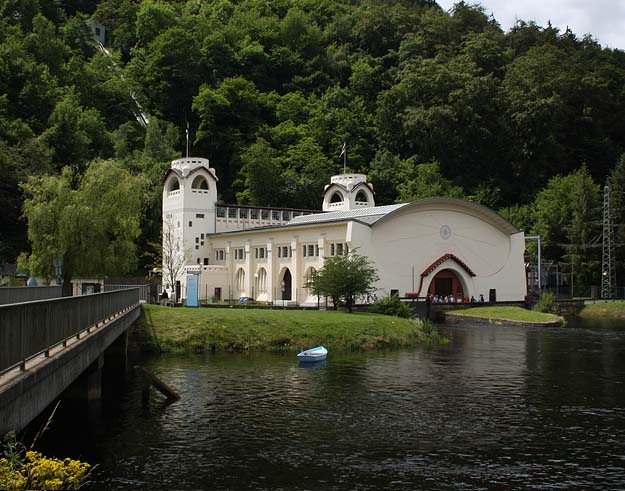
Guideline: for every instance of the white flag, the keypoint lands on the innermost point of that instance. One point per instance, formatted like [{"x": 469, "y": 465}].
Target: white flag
[{"x": 344, "y": 149}]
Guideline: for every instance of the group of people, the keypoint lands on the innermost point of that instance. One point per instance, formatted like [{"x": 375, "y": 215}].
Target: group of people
[{"x": 452, "y": 299}]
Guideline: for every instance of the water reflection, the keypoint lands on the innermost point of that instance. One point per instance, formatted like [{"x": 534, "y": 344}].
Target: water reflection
[{"x": 496, "y": 408}]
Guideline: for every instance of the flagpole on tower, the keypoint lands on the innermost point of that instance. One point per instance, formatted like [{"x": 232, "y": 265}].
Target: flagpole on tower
[
  {"x": 187, "y": 131},
  {"x": 344, "y": 155}
]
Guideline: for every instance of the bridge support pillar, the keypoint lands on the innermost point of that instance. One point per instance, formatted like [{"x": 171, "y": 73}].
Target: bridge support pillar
[
  {"x": 89, "y": 385},
  {"x": 117, "y": 354}
]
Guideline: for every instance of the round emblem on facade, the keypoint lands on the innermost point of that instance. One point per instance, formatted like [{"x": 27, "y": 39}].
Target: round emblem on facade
[{"x": 445, "y": 232}]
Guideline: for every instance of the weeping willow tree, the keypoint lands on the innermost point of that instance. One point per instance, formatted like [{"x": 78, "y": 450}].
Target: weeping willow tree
[{"x": 90, "y": 222}]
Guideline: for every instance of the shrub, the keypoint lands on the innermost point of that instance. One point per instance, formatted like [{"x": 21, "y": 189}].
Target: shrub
[
  {"x": 547, "y": 303},
  {"x": 391, "y": 305},
  {"x": 25, "y": 469}
]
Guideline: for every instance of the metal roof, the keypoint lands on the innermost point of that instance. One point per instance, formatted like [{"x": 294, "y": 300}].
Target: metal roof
[{"x": 369, "y": 215}]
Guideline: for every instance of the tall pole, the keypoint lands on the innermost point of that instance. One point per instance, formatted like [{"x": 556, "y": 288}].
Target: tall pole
[
  {"x": 537, "y": 238},
  {"x": 187, "y": 131}
]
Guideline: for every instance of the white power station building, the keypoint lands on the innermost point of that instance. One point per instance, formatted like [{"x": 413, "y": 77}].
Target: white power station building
[{"x": 444, "y": 246}]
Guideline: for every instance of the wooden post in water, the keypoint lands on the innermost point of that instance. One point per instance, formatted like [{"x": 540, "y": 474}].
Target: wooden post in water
[{"x": 157, "y": 383}]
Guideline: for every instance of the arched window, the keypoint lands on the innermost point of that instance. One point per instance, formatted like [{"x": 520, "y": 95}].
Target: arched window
[
  {"x": 174, "y": 184},
  {"x": 199, "y": 183},
  {"x": 261, "y": 281},
  {"x": 336, "y": 198},
  {"x": 308, "y": 277},
  {"x": 361, "y": 197},
  {"x": 240, "y": 281}
]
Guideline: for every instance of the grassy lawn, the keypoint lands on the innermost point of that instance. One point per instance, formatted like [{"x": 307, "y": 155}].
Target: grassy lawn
[
  {"x": 604, "y": 309},
  {"x": 507, "y": 313},
  {"x": 198, "y": 329}
]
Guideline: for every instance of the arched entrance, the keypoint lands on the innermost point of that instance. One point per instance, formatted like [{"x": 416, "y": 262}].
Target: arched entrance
[
  {"x": 285, "y": 284},
  {"x": 447, "y": 283}
]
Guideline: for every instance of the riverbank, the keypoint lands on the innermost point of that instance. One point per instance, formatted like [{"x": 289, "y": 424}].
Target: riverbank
[
  {"x": 167, "y": 329},
  {"x": 500, "y": 315},
  {"x": 611, "y": 309}
]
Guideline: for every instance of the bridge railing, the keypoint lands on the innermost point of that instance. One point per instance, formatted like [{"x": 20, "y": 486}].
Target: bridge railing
[
  {"x": 16, "y": 294},
  {"x": 31, "y": 328}
]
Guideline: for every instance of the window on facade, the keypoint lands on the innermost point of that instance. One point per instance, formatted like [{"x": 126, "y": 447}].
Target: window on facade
[
  {"x": 221, "y": 255},
  {"x": 275, "y": 215},
  {"x": 361, "y": 196},
  {"x": 240, "y": 281},
  {"x": 331, "y": 249},
  {"x": 201, "y": 242},
  {"x": 199, "y": 215},
  {"x": 199, "y": 183},
  {"x": 316, "y": 249},
  {"x": 311, "y": 250},
  {"x": 339, "y": 249},
  {"x": 264, "y": 214},
  {"x": 232, "y": 212},
  {"x": 174, "y": 185},
  {"x": 285, "y": 216},
  {"x": 254, "y": 214},
  {"x": 304, "y": 251},
  {"x": 197, "y": 247},
  {"x": 285, "y": 251},
  {"x": 198, "y": 260},
  {"x": 336, "y": 198},
  {"x": 221, "y": 212},
  {"x": 242, "y": 213},
  {"x": 197, "y": 239},
  {"x": 205, "y": 261},
  {"x": 202, "y": 236},
  {"x": 261, "y": 252},
  {"x": 190, "y": 223}
]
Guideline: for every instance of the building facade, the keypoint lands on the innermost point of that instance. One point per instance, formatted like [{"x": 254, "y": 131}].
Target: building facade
[{"x": 444, "y": 246}]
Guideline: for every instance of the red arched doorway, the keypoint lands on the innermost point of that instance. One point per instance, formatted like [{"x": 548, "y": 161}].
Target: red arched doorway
[
  {"x": 446, "y": 283},
  {"x": 285, "y": 285}
]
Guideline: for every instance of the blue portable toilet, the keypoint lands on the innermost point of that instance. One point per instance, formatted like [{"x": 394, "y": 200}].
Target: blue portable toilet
[{"x": 193, "y": 290}]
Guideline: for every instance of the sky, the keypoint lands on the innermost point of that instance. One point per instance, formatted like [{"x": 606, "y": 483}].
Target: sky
[{"x": 604, "y": 19}]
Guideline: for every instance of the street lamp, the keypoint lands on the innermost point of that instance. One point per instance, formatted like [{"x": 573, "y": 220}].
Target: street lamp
[{"x": 254, "y": 285}]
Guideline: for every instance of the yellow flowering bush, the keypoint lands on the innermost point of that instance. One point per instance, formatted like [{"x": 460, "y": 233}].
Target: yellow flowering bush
[{"x": 30, "y": 470}]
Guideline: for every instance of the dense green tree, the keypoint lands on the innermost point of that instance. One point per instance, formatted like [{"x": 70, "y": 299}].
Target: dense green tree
[
  {"x": 567, "y": 217},
  {"x": 91, "y": 226},
  {"x": 344, "y": 278},
  {"x": 261, "y": 171},
  {"x": 420, "y": 181},
  {"x": 584, "y": 229}
]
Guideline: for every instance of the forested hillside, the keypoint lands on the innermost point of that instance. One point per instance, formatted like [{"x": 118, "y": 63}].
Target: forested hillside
[{"x": 529, "y": 122}]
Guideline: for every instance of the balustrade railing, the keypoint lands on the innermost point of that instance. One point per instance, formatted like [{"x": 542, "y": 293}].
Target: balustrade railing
[{"x": 32, "y": 328}]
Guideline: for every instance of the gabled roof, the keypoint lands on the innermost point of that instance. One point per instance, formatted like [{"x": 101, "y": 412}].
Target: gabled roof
[{"x": 444, "y": 258}]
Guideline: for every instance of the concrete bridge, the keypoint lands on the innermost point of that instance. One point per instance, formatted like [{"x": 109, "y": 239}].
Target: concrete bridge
[{"x": 47, "y": 345}]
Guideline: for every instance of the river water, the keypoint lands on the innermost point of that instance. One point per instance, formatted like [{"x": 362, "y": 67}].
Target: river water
[{"x": 498, "y": 408}]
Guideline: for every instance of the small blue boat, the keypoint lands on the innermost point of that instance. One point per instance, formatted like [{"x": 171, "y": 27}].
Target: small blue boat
[{"x": 318, "y": 353}]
